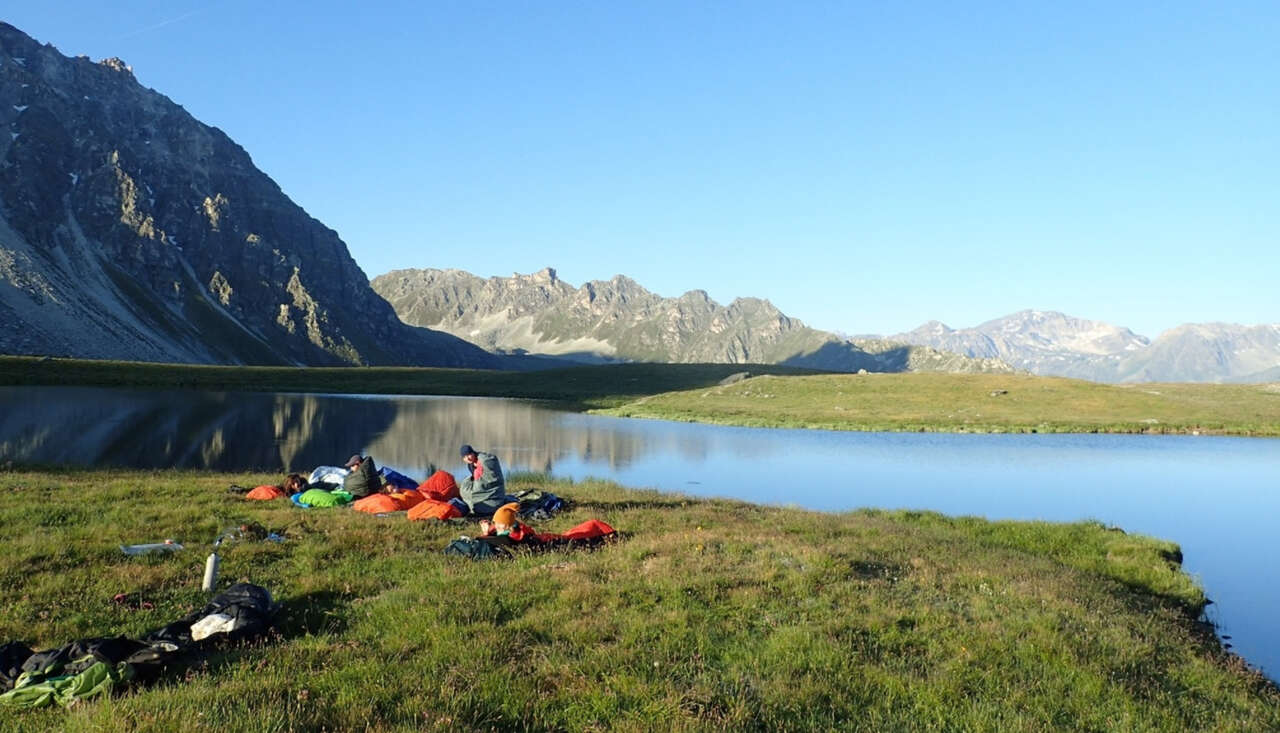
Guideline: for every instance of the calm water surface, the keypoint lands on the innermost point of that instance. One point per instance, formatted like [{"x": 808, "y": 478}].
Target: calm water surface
[{"x": 1216, "y": 497}]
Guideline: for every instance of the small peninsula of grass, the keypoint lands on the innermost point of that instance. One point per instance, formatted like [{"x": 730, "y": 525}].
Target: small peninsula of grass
[
  {"x": 980, "y": 403},
  {"x": 707, "y": 615}
]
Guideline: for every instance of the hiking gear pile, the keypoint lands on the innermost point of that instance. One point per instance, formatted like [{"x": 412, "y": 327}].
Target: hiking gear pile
[
  {"x": 439, "y": 497},
  {"x": 95, "y": 666}
]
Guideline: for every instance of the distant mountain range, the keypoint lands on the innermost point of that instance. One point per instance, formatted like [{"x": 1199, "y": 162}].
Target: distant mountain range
[
  {"x": 1051, "y": 343},
  {"x": 618, "y": 320},
  {"x": 130, "y": 230}
]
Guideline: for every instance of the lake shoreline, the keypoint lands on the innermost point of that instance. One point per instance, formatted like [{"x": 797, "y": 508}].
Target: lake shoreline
[
  {"x": 811, "y": 619},
  {"x": 770, "y": 397}
]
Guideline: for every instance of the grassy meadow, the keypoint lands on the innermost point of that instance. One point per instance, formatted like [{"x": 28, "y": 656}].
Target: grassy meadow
[
  {"x": 987, "y": 403},
  {"x": 707, "y": 615}
]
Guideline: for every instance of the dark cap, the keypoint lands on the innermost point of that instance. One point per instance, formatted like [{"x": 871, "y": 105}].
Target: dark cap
[
  {"x": 354, "y": 460},
  {"x": 466, "y": 450}
]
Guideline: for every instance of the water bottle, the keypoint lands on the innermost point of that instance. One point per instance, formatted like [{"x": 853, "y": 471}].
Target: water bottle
[
  {"x": 166, "y": 546},
  {"x": 211, "y": 572}
]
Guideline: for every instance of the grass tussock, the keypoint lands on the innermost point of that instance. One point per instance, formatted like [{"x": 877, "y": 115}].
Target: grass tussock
[{"x": 709, "y": 615}]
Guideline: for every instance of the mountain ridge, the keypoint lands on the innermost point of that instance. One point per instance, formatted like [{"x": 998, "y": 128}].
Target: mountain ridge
[
  {"x": 1054, "y": 344},
  {"x": 620, "y": 320},
  {"x": 131, "y": 230}
]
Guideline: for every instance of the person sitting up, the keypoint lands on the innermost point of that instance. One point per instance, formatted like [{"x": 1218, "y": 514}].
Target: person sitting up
[
  {"x": 363, "y": 478},
  {"x": 484, "y": 489}
]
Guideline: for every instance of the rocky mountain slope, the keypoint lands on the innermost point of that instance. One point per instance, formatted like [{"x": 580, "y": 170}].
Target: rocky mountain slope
[
  {"x": 620, "y": 320},
  {"x": 1051, "y": 343},
  {"x": 130, "y": 230}
]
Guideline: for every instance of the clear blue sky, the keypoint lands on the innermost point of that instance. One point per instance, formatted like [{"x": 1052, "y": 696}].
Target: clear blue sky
[{"x": 865, "y": 166}]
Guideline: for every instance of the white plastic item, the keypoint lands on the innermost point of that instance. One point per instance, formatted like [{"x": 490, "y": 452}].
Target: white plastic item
[
  {"x": 166, "y": 546},
  {"x": 214, "y": 623},
  {"x": 211, "y": 572}
]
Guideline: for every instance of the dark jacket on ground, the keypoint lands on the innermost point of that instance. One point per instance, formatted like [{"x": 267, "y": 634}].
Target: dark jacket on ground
[
  {"x": 363, "y": 479},
  {"x": 485, "y": 490}
]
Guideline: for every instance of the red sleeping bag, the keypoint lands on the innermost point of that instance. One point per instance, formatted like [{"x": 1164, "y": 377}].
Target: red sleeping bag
[{"x": 440, "y": 486}]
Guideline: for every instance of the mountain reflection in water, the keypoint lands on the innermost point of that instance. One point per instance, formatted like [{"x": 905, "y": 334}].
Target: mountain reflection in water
[{"x": 286, "y": 432}]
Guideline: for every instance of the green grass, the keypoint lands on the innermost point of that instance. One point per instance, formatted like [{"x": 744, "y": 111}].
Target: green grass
[
  {"x": 710, "y": 615},
  {"x": 984, "y": 403}
]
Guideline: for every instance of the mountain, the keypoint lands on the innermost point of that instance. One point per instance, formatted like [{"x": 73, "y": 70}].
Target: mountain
[
  {"x": 1042, "y": 342},
  {"x": 130, "y": 230},
  {"x": 1208, "y": 352},
  {"x": 1051, "y": 343},
  {"x": 618, "y": 320}
]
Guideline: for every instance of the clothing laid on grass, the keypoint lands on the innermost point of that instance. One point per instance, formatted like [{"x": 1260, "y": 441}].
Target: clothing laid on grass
[
  {"x": 538, "y": 506},
  {"x": 332, "y": 475},
  {"x": 96, "y": 666}
]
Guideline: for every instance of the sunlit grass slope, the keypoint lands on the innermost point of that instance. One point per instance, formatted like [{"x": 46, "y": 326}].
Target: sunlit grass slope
[
  {"x": 971, "y": 403},
  {"x": 709, "y": 615}
]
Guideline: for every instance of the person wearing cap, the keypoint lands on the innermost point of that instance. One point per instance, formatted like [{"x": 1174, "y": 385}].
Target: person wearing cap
[
  {"x": 484, "y": 489},
  {"x": 363, "y": 478}
]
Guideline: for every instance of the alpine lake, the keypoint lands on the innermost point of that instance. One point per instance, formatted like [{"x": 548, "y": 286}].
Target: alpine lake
[{"x": 1216, "y": 497}]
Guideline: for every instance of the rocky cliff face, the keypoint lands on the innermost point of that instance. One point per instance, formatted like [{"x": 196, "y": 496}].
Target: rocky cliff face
[
  {"x": 620, "y": 320},
  {"x": 130, "y": 230},
  {"x": 1050, "y": 343}
]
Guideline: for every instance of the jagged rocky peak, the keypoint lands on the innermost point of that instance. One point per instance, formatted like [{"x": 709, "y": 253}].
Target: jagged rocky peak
[
  {"x": 618, "y": 319},
  {"x": 545, "y": 275},
  {"x": 117, "y": 65},
  {"x": 138, "y": 232}
]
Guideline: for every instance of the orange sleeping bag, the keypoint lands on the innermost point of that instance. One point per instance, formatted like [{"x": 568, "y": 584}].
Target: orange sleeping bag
[
  {"x": 394, "y": 501},
  {"x": 266, "y": 493},
  {"x": 432, "y": 509},
  {"x": 440, "y": 486}
]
